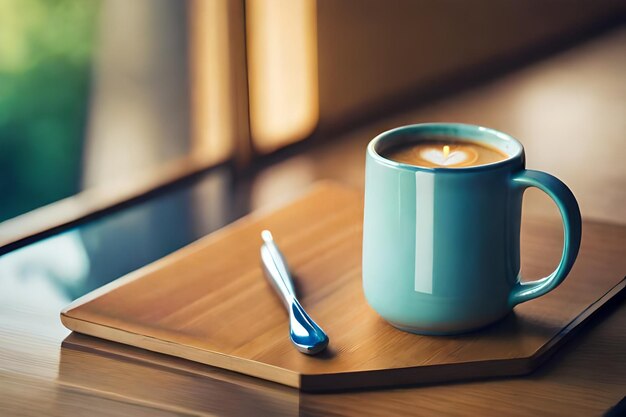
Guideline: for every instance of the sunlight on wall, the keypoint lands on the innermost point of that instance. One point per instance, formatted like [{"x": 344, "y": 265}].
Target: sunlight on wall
[
  {"x": 282, "y": 64},
  {"x": 212, "y": 80}
]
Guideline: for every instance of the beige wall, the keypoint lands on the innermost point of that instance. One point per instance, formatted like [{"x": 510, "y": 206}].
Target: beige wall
[{"x": 372, "y": 51}]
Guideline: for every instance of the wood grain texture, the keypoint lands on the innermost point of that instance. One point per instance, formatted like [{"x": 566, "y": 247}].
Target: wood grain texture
[{"x": 210, "y": 303}]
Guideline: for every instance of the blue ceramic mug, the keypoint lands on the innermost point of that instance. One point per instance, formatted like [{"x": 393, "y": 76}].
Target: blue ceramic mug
[{"x": 441, "y": 246}]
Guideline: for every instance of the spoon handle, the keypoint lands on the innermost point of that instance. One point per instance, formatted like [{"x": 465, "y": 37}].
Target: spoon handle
[
  {"x": 276, "y": 269},
  {"x": 305, "y": 334}
]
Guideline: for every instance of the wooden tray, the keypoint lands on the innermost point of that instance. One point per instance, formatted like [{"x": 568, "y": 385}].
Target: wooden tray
[{"x": 210, "y": 303}]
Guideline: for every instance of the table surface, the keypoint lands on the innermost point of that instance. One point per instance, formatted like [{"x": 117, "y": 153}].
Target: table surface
[{"x": 568, "y": 110}]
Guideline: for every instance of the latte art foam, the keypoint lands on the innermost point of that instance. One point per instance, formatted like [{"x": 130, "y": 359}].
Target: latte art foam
[
  {"x": 444, "y": 153},
  {"x": 461, "y": 156}
]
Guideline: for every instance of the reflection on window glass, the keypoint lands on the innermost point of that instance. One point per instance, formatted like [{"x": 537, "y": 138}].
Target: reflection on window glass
[
  {"x": 45, "y": 276},
  {"x": 45, "y": 58}
]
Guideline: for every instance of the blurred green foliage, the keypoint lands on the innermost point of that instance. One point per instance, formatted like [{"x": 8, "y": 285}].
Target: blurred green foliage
[{"x": 45, "y": 66}]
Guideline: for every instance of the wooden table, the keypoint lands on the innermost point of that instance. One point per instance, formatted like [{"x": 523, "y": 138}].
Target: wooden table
[{"x": 569, "y": 111}]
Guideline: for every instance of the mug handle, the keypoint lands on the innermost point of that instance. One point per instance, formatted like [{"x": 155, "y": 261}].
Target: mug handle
[{"x": 572, "y": 230}]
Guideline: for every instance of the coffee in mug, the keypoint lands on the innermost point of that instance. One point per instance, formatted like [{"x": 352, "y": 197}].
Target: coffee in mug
[{"x": 444, "y": 152}]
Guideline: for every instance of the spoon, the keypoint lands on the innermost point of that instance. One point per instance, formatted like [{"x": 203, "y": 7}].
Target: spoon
[{"x": 305, "y": 334}]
